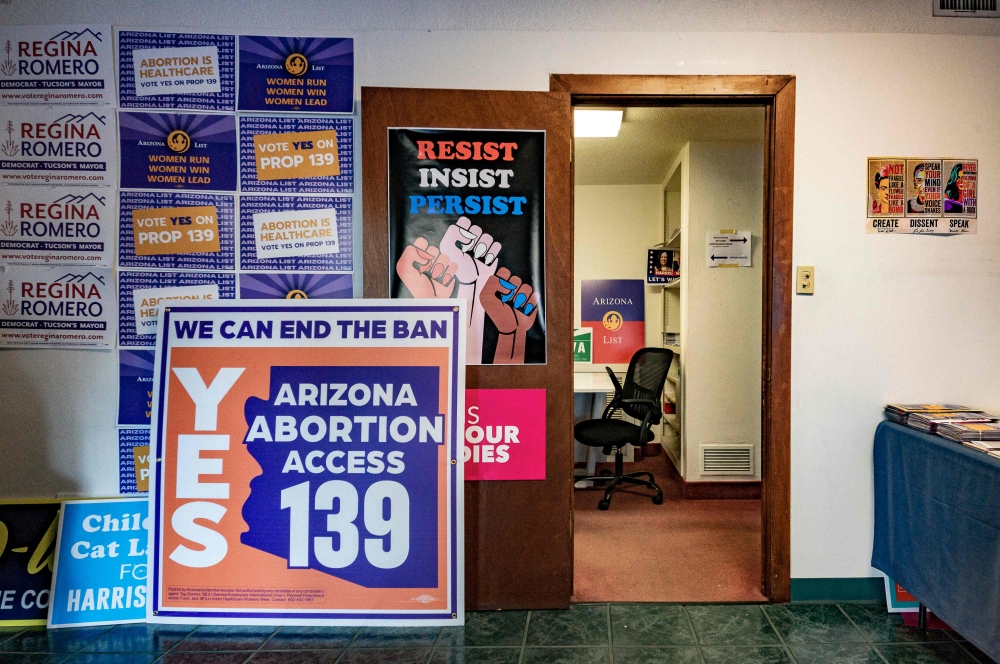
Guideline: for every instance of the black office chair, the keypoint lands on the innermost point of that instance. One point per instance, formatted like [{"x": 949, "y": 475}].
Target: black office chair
[{"x": 640, "y": 399}]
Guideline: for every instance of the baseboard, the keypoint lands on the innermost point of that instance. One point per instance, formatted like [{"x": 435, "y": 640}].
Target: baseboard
[
  {"x": 848, "y": 589},
  {"x": 721, "y": 490}
]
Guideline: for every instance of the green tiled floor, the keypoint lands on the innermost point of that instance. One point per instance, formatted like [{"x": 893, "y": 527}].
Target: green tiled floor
[{"x": 585, "y": 634}]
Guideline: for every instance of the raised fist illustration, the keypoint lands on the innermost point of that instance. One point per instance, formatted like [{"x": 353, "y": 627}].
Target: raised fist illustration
[
  {"x": 513, "y": 308},
  {"x": 425, "y": 271},
  {"x": 475, "y": 253}
]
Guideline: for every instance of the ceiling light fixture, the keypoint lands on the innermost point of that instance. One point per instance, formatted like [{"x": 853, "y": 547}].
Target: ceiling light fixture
[{"x": 596, "y": 124}]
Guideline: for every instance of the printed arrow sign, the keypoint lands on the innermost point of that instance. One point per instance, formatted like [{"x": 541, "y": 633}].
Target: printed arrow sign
[{"x": 728, "y": 249}]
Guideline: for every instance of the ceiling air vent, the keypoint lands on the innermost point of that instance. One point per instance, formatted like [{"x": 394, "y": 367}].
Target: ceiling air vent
[
  {"x": 968, "y": 8},
  {"x": 727, "y": 459}
]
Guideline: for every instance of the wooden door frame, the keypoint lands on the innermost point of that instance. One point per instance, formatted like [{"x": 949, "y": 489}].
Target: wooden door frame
[{"x": 777, "y": 95}]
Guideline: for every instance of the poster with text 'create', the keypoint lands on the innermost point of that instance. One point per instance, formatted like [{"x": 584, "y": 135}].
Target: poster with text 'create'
[{"x": 307, "y": 463}]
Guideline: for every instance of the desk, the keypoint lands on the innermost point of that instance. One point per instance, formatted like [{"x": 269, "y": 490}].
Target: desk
[
  {"x": 937, "y": 528},
  {"x": 596, "y": 385}
]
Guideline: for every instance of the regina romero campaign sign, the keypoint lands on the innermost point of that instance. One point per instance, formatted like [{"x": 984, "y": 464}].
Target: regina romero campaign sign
[{"x": 307, "y": 468}]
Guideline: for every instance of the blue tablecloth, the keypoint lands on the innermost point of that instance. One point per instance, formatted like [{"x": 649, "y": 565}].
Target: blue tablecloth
[{"x": 937, "y": 528}]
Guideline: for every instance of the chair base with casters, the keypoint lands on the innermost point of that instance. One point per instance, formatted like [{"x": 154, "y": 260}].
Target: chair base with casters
[
  {"x": 598, "y": 430},
  {"x": 640, "y": 399}
]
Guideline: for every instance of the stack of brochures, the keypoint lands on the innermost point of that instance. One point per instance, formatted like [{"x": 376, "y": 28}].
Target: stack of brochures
[
  {"x": 991, "y": 447},
  {"x": 930, "y": 422},
  {"x": 899, "y": 413},
  {"x": 968, "y": 432}
]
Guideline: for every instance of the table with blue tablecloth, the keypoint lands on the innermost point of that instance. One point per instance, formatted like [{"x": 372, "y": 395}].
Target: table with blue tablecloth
[{"x": 937, "y": 528}]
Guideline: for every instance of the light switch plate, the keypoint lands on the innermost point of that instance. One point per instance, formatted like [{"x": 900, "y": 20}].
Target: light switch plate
[{"x": 805, "y": 280}]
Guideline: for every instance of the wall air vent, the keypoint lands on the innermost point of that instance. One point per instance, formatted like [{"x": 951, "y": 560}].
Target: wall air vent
[
  {"x": 967, "y": 8},
  {"x": 727, "y": 459}
]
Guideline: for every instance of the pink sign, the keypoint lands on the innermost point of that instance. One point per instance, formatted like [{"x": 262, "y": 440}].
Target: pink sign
[{"x": 504, "y": 435}]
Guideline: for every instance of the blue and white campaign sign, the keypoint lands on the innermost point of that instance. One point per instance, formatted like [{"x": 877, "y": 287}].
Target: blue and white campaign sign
[
  {"x": 57, "y": 226},
  {"x": 282, "y": 226},
  {"x": 307, "y": 466},
  {"x": 29, "y": 536},
  {"x": 140, "y": 295},
  {"x": 56, "y": 307},
  {"x": 295, "y": 286},
  {"x": 304, "y": 74},
  {"x": 177, "y": 151},
  {"x": 135, "y": 387},
  {"x": 56, "y": 64},
  {"x": 133, "y": 460},
  {"x": 171, "y": 70},
  {"x": 155, "y": 230},
  {"x": 296, "y": 155},
  {"x": 100, "y": 570},
  {"x": 67, "y": 145}
]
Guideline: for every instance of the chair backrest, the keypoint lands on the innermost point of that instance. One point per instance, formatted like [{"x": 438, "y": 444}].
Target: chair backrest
[{"x": 647, "y": 371}]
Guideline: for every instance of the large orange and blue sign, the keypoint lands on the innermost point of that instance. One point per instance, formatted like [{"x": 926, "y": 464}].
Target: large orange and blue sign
[
  {"x": 616, "y": 310},
  {"x": 308, "y": 463}
]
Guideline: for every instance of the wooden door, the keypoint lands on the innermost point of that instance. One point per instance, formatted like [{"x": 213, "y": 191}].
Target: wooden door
[{"x": 518, "y": 534}]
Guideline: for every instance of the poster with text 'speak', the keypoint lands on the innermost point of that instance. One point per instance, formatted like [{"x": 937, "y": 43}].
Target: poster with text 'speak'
[
  {"x": 56, "y": 64},
  {"x": 305, "y": 463}
]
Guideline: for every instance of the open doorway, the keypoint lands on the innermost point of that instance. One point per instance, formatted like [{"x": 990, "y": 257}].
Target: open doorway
[
  {"x": 752, "y": 563},
  {"x": 655, "y": 192}
]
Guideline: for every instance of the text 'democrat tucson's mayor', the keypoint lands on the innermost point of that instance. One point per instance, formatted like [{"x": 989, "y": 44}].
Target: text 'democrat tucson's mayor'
[
  {"x": 56, "y": 307},
  {"x": 178, "y": 151},
  {"x": 66, "y": 145},
  {"x": 467, "y": 221},
  {"x": 306, "y": 463},
  {"x": 56, "y": 64},
  {"x": 57, "y": 226}
]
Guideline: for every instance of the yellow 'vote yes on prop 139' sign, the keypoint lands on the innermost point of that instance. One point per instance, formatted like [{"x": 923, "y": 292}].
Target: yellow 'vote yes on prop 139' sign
[{"x": 306, "y": 154}]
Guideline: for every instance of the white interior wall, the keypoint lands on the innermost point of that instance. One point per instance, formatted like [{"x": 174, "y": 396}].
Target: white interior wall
[
  {"x": 856, "y": 344},
  {"x": 613, "y": 225},
  {"x": 721, "y": 338}
]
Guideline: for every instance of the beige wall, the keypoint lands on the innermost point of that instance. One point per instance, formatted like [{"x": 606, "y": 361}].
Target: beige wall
[
  {"x": 721, "y": 321},
  {"x": 613, "y": 227}
]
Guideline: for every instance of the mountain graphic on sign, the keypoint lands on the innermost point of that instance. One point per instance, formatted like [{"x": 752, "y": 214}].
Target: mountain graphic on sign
[
  {"x": 70, "y": 198},
  {"x": 79, "y": 118},
  {"x": 78, "y": 278},
  {"x": 66, "y": 35}
]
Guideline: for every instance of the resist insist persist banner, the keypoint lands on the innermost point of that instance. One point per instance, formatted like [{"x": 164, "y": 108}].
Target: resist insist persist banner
[{"x": 467, "y": 221}]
